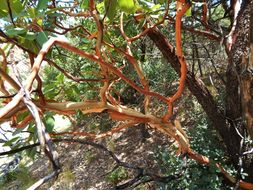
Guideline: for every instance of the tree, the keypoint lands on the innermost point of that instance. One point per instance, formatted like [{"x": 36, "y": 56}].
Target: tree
[{"x": 104, "y": 34}]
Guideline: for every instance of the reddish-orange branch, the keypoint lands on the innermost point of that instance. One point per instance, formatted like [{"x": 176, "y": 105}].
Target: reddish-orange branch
[
  {"x": 182, "y": 7},
  {"x": 24, "y": 122},
  {"x": 35, "y": 69},
  {"x": 206, "y": 161},
  {"x": 39, "y": 81},
  {"x": 204, "y": 13}
]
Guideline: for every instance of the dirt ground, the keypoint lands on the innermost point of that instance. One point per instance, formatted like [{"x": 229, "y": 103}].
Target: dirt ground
[{"x": 86, "y": 168}]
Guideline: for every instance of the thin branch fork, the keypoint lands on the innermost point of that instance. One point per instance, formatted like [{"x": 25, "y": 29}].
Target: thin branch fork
[
  {"x": 35, "y": 69},
  {"x": 44, "y": 138},
  {"x": 167, "y": 128}
]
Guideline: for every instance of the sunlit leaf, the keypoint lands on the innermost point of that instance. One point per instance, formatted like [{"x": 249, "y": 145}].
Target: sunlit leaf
[
  {"x": 127, "y": 6},
  {"x": 188, "y": 12},
  {"x": 21, "y": 116},
  {"x": 155, "y": 7},
  {"x": 30, "y": 36},
  {"x": 60, "y": 78},
  {"x": 15, "y": 31},
  {"x": 3, "y": 9},
  {"x": 111, "y": 8},
  {"x": 16, "y": 6},
  {"x": 10, "y": 142},
  {"x": 31, "y": 152},
  {"x": 84, "y": 4},
  {"x": 32, "y": 12},
  {"x": 100, "y": 6},
  {"x": 40, "y": 22},
  {"x": 49, "y": 123},
  {"x": 53, "y": 11},
  {"x": 41, "y": 38}
]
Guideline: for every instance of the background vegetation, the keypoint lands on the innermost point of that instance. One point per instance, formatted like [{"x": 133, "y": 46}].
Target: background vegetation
[{"x": 115, "y": 69}]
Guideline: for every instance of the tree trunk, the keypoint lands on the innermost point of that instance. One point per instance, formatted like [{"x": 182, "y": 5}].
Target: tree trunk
[
  {"x": 239, "y": 86},
  {"x": 204, "y": 97},
  {"x": 247, "y": 82},
  {"x": 225, "y": 124}
]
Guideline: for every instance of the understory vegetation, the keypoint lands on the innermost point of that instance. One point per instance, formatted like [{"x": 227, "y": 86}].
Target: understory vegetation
[{"x": 126, "y": 94}]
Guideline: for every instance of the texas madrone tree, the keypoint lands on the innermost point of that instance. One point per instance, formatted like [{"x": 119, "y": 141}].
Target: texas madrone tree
[{"x": 97, "y": 47}]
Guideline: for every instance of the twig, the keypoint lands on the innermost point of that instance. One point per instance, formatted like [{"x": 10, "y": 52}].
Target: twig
[
  {"x": 13, "y": 151},
  {"x": 9, "y": 96},
  {"x": 44, "y": 180},
  {"x": 248, "y": 152},
  {"x": 238, "y": 175},
  {"x": 44, "y": 138},
  {"x": 10, "y": 12},
  {"x": 213, "y": 65}
]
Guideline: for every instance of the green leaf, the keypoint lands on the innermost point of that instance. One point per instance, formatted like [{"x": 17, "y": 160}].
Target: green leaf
[
  {"x": 85, "y": 4},
  {"x": 161, "y": 1},
  {"x": 188, "y": 12},
  {"x": 49, "y": 124},
  {"x": 127, "y": 6},
  {"x": 30, "y": 36},
  {"x": 3, "y": 9},
  {"x": 40, "y": 22},
  {"x": 10, "y": 142},
  {"x": 100, "y": 6},
  {"x": 50, "y": 88},
  {"x": 31, "y": 45},
  {"x": 3, "y": 13},
  {"x": 31, "y": 152},
  {"x": 32, "y": 12},
  {"x": 110, "y": 8},
  {"x": 42, "y": 4},
  {"x": 16, "y": 6},
  {"x": 31, "y": 129},
  {"x": 155, "y": 7},
  {"x": 41, "y": 38},
  {"x": 60, "y": 78},
  {"x": 21, "y": 116},
  {"x": 54, "y": 10},
  {"x": 17, "y": 131},
  {"x": 15, "y": 31},
  {"x": 86, "y": 41}
]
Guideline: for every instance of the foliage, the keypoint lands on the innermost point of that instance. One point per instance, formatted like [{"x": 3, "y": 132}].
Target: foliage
[
  {"x": 89, "y": 156},
  {"x": 195, "y": 176},
  {"x": 98, "y": 67},
  {"x": 117, "y": 175},
  {"x": 21, "y": 175}
]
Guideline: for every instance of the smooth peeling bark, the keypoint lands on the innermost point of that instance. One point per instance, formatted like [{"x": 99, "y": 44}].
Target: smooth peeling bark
[{"x": 239, "y": 81}]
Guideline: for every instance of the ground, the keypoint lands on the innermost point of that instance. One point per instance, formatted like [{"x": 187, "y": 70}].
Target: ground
[{"x": 87, "y": 168}]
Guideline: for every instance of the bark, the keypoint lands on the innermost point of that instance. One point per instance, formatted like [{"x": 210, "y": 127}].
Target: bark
[
  {"x": 247, "y": 81},
  {"x": 239, "y": 86},
  {"x": 204, "y": 97},
  {"x": 224, "y": 123}
]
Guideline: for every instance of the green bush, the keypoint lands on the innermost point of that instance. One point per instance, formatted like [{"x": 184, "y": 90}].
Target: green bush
[
  {"x": 117, "y": 175},
  {"x": 195, "y": 176}
]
